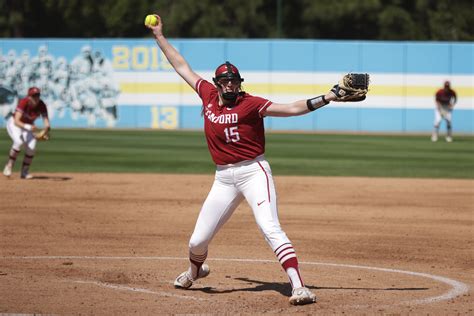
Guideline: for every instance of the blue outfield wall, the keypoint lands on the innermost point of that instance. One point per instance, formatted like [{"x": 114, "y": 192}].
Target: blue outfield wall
[{"x": 127, "y": 83}]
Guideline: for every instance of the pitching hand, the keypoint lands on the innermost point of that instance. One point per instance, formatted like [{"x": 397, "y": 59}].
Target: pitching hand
[{"x": 158, "y": 28}]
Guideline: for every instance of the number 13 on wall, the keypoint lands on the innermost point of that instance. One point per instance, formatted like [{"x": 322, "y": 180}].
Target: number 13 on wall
[{"x": 164, "y": 117}]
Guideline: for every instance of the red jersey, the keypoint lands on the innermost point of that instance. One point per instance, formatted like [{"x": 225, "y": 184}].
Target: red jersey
[
  {"x": 236, "y": 133},
  {"x": 29, "y": 113},
  {"x": 446, "y": 97}
]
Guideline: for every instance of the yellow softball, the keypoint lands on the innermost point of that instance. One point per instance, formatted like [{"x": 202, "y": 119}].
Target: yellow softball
[{"x": 151, "y": 20}]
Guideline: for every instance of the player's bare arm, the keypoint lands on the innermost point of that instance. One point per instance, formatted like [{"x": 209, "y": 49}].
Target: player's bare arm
[
  {"x": 46, "y": 123},
  {"x": 353, "y": 87},
  {"x": 176, "y": 60},
  {"x": 20, "y": 124},
  {"x": 452, "y": 102},
  {"x": 299, "y": 107}
]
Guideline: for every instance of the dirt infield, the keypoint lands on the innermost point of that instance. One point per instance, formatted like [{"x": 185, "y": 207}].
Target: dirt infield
[{"x": 113, "y": 244}]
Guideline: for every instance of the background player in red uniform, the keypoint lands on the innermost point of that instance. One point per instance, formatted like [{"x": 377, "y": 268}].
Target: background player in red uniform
[
  {"x": 445, "y": 100},
  {"x": 234, "y": 129},
  {"x": 20, "y": 127}
]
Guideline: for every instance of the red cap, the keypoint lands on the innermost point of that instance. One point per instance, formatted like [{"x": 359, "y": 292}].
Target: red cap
[
  {"x": 33, "y": 90},
  {"x": 227, "y": 70}
]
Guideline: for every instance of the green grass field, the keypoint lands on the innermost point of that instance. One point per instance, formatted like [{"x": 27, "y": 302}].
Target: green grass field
[{"x": 288, "y": 154}]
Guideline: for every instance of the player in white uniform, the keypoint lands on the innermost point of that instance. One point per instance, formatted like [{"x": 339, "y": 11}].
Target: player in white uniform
[
  {"x": 20, "y": 128},
  {"x": 445, "y": 100},
  {"x": 234, "y": 129}
]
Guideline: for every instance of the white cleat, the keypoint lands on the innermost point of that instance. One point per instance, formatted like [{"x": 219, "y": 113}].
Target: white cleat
[
  {"x": 27, "y": 176},
  {"x": 7, "y": 171},
  {"x": 449, "y": 139},
  {"x": 434, "y": 138},
  {"x": 184, "y": 281},
  {"x": 302, "y": 296}
]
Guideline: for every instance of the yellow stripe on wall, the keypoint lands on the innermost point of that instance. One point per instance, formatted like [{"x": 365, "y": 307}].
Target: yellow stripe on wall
[
  {"x": 258, "y": 88},
  {"x": 154, "y": 87}
]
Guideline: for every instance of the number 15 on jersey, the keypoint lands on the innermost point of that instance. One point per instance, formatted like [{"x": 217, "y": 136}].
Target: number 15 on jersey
[{"x": 231, "y": 134}]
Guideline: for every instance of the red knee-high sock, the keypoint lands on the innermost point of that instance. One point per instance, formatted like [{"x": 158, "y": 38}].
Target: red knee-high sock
[
  {"x": 12, "y": 156},
  {"x": 196, "y": 263},
  {"x": 288, "y": 260},
  {"x": 26, "y": 163}
]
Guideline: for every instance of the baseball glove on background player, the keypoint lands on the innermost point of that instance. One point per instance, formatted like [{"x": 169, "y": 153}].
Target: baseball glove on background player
[
  {"x": 42, "y": 135},
  {"x": 352, "y": 88}
]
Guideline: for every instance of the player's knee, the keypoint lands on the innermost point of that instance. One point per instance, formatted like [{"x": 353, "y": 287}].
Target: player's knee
[
  {"x": 30, "y": 151},
  {"x": 274, "y": 234},
  {"x": 198, "y": 245},
  {"x": 16, "y": 146},
  {"x": 269, "y": 227}
]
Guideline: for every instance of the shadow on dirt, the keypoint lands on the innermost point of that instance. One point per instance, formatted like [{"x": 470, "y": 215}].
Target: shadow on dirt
[
  {"x": 51, "y": 178},
  {"x": 285, "y": 289}
]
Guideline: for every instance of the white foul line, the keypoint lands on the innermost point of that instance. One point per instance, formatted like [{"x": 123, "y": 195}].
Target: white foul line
[
  {"x": 457, "y": 288},
  {"x": 134, "y": 289}
]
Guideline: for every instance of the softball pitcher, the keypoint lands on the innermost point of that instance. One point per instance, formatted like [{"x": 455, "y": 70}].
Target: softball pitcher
[
  {"x": 234, "y": 129},
  {"x": 20, "y": 127}
]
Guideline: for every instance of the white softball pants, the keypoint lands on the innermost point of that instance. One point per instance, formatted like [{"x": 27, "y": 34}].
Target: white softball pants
[
  {"x": 21, "y": 137},
  {"x": 444, "y": 113},
  {"x": 251, "y": 180}
]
